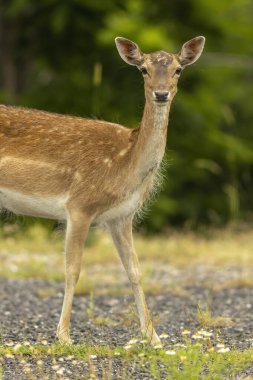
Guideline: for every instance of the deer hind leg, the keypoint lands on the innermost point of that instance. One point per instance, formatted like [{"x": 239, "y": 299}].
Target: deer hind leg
[
  {"x": 77, "y": 229},
  {"x": 123, "y": 240}
]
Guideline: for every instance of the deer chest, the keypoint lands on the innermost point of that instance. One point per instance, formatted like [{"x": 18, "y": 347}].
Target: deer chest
[{"x": 129, "y": 204}]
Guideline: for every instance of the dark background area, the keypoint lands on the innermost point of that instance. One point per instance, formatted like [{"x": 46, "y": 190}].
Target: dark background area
[{"x": 60, "y": 56}]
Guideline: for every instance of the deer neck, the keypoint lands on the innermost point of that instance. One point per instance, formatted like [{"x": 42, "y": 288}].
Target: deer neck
[{"x": 151, "y": 139}]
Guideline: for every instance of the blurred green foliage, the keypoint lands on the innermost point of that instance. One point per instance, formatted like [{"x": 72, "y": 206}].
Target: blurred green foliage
[{"x": 60, "y": 56}]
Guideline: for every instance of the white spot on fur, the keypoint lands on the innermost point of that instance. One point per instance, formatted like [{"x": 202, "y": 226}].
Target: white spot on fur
[
  {"x": 123, "y": 152},
  {"x": 78, "y": 176},
  {"x": 108, "y": 161}
]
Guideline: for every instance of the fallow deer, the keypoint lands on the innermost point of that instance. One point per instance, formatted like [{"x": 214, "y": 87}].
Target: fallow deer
[{"x": 86, "y": 171}]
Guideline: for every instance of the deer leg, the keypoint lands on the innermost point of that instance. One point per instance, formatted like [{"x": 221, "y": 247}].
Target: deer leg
[
  {"x": 123, "y": 240},
  {"x": 77, "y": 229}
]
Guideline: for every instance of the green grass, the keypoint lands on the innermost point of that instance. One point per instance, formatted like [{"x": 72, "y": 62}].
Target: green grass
[
  {"x": 191, "y": 361},
  {"x": 36, "y": 253},
  {"x": 207, "y": 319}
]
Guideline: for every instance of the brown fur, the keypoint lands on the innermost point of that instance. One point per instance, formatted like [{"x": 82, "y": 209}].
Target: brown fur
[{"x": 61, "y": 146}]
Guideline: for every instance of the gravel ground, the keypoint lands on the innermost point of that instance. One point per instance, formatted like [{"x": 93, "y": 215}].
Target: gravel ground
[{"x": 30, "y": 311}]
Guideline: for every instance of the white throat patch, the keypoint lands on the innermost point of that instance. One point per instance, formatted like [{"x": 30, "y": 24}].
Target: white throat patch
[{"x": 160, "y": 116}]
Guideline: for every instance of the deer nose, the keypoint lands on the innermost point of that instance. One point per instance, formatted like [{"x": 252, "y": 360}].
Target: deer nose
[{"x": 161, "y": 96}]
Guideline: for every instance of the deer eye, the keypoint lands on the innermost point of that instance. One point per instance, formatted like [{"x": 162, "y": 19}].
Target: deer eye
[
  {"x": 144, "y": 70},
  {"x": 178, "y": 71}
]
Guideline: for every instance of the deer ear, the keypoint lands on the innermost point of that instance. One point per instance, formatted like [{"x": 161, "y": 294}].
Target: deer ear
[
  {"x": 129, "y": 51},
  {"x": 192, "y": 50}
]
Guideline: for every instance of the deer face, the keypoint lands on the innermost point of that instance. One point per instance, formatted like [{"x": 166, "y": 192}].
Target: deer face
[{"x": 160, "y": 70}]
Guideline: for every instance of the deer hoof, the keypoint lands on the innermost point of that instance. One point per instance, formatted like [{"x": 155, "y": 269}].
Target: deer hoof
[
  {"x": 63, "y": 337},
  {"x": 153, "y": 338},
  {"x": 64, "y": 340}
]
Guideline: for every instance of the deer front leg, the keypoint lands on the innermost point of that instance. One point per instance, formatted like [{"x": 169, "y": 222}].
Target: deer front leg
[
  {"x": 123, "y": 240},
  {"x": 77, "y": 229}
]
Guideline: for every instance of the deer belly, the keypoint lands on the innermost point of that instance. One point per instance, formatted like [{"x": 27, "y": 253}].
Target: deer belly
[
  {"x": 44, "y": 207},
  {"x": 127, "y": 207}
]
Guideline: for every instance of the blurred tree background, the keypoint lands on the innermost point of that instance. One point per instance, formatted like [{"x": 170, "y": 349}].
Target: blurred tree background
[{"x": 60, "y": 56}]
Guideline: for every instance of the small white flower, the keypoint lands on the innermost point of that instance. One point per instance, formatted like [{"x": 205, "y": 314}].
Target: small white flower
[
  {"x": 116, "y": 353},
  {"x": 17, "y": 346},
  {"x": 163, "y": 336},
  {"x": 157, "y": 346},
  {"x": 197, "y": 336},
  {"x": 26, "y": 343},
  {"x": 44, "y": 342},
  {"x": 10, "y": 344},
  {"x": 93, "y": 356},
  {"x": 180, "y": 345},
  {"x": 186, "y": 332},
  {"x": 205, "y": 333},
  {"x": 60, "y": 371},
  {"x": 133, "y": 341},
  {"x": 223, "y": 350},
  {"x": 170, "y": 352},
  {"x": 127, "y": 347},
  {"x": 220, "y": 345},
  {"x": 9, "y": 356}
]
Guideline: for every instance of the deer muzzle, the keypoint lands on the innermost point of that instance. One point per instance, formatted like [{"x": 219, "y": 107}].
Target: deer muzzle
[{"x": 161, "y": 96}]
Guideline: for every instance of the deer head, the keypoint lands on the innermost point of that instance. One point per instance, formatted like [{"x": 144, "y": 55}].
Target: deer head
[{"x": 160, "y": 70}]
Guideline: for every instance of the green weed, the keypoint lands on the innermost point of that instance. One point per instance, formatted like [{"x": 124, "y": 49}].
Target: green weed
[
  {"x": 91, "y": 308},
  {"x": 207, "y": 319},
  {"x": 196, "y": 360}
]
